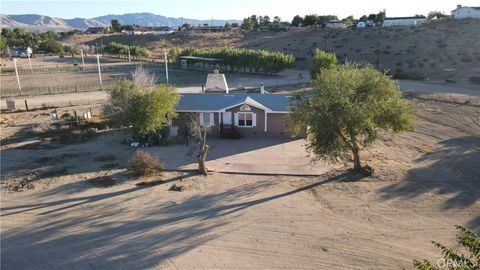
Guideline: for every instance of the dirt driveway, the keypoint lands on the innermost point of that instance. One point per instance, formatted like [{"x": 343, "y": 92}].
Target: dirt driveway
[{"x": 246, "y": 155}]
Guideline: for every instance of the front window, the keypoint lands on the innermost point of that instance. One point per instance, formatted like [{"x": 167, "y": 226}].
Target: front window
[{"x": 245, "y": 119}]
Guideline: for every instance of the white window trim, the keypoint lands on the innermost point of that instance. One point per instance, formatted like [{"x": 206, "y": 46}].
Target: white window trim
[
  {"x": 254, "y": 119},
  {"x": 202, "y": 120}
]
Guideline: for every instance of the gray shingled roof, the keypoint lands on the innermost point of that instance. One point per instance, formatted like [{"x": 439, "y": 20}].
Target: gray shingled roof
[{"x": 217, "y": 102}]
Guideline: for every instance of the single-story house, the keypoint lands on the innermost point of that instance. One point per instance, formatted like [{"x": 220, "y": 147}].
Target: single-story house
[
  {"x": 403, "y": 21},
  {"x": 97, "y": 30},
  {"x": 243, "y": 114},
  {"x": 207, "y": 29},
  {"x": 149, "y": 30},
  {"x": 462, "y": 12}
]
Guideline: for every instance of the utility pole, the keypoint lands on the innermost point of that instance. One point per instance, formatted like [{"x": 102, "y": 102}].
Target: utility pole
[
  {"x": 16, "y": 73},
  {"x": 29, "y": 51},
  {"x": 129, "y": 57},
  {"x": 99, "y": 71},
  {"x": 166, "y": 66},
  {"x": 83, "y": 60}
]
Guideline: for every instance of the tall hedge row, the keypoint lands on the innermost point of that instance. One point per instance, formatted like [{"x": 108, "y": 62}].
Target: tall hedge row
[
  {"x": 242, "y": 60},
  {"x": 118, "y": 48}
]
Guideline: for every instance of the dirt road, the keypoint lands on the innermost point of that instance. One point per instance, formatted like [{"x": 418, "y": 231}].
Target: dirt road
[{"x": 437, "y": 87}]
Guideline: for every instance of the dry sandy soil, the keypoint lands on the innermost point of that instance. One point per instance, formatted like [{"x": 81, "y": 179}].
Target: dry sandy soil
[
  {"x": 426, "y": 181},
  {"x": 437, "y": 51}
]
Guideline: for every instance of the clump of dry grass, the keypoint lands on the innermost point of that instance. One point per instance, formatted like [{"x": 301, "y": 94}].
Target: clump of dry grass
[
  {"x": 179, "y": 187},
  {"x": 143, "y": 163}
]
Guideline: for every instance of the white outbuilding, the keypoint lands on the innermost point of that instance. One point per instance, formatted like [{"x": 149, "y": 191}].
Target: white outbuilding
[
  {"x": 404, "y": 21},
  {"x": 462, "y": 12}
]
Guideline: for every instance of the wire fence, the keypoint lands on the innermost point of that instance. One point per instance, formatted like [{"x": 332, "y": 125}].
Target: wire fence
[
  {"x": 5, "y": 71},
  {"x": 56, "y": 89}
]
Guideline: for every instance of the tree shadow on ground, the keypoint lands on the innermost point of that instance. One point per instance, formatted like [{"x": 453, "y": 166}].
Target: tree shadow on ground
[
  {"x": 109, "y": 235},
  {"x": 452, "y": 170}
]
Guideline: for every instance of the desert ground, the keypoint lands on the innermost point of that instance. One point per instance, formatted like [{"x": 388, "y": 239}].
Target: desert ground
[{"x": 54, "y": 216}]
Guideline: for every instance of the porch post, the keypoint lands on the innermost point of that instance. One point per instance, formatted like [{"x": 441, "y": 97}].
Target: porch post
[
  {"x": 266, "y": 123},
  {"x": 220, "y": 120}
]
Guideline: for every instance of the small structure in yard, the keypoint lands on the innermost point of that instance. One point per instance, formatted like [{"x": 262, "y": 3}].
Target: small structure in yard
[
  {"x": 20, "y": 51},
  {"x": 201, "y": 63},
  {"x": 404, "y": 21},
  {"x": 462, "y": 12},
  {"x": 361, "y": 25},
  {"x": 216, "y": 83},
  {"x": 245, "y": 114}
]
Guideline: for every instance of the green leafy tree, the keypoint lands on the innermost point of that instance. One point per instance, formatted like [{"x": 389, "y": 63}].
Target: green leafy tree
[
  {"x": 141, "y": 104},
  {"x": 346, "y": 111},
  {"x": 3, "y": 45},
  {"x": 310, "y": 20},
  {"x": 50, "y": 45},
  {"x": 116, "y": 25},
  {"x": 153, "y": 109},
  {"x": 436, "y": 14},
  {"x": 372, "y": 17},
  {"x": 322, "y": 60},
  {"x": 122, "y": 49},
  {"x": 381, "y": 15},
  {"x": 363, "y": 18},
  {"x": 348, "y": 20},
  {"x": 297, "y": 20},
  {"x": 248, "y": 24},
  {"x": 453, "y": 259}
]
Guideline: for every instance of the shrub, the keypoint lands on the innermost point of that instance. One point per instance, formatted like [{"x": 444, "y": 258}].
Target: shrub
[
  {"x": 454, "y": 259},
  {"x": 143, "y": 163}
]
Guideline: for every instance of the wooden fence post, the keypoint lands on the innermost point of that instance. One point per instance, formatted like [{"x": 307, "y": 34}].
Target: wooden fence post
[{"x": 26, "y": 105}]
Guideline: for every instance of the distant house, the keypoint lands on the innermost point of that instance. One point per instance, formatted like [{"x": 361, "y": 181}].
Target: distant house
[
  {"x": 335, "y": 25},
  {"x": 404, "y": 21},
  {"x": 21, "y": 52},
  {"x": 207, "y": 29},
  {"x": 150, "y": 30},
  {"x": 96, "y": 30},
  {"x": 462, "y": 12}
]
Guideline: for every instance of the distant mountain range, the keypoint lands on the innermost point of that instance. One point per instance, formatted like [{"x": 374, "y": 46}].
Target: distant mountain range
[{"x": 40, "y": 23}]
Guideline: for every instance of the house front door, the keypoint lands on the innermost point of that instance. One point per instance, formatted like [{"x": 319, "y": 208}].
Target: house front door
[{"x": 227, "y": 118}]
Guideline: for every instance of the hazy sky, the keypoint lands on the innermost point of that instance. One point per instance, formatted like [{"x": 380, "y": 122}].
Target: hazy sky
[{"x": 228, "y": 9}]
